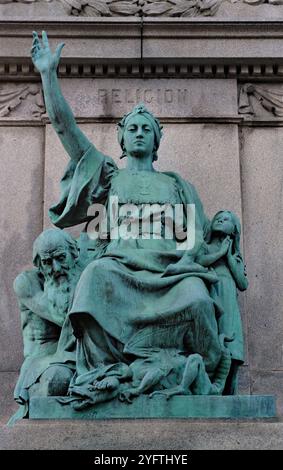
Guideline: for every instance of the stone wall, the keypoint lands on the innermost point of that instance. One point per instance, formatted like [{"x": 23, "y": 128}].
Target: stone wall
[{"x": 215, "y": 82}]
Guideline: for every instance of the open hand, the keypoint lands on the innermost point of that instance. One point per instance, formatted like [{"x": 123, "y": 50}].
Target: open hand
[{"x": 42, "y": 57}]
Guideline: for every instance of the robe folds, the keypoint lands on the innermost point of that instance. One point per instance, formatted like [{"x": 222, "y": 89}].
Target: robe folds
[{"x": 125, "y": 302}]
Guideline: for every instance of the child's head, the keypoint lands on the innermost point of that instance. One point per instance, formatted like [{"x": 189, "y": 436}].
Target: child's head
[
  {"x": 228, "y": 223},
  {"x": 224, "y": 222}
]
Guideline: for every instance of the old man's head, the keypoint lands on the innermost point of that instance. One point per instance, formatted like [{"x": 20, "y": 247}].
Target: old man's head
[{"x": 55, "y": 254}]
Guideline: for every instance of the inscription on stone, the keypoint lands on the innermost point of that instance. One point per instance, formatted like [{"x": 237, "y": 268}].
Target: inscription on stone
[
  {"x": 148, "y": 96},
  {"x": 173, "y": 98}
]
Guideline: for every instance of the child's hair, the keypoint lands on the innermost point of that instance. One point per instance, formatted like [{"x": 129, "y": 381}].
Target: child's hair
[{"x": 236, "y": 233}]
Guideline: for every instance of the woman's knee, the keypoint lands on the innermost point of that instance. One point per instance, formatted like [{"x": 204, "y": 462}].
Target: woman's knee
[{"x": 55, "y": 380}]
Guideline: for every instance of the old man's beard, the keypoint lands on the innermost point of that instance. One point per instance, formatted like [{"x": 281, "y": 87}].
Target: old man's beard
[{"x": 60, "y": 294}]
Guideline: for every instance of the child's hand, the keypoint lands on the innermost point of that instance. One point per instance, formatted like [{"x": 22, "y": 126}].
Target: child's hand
[{"x": 226, "y": 246}]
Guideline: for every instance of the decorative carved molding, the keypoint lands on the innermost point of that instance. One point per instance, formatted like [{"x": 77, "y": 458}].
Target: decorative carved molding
[
  {"x": 271, "y": 101},
  {"x": 182, "y": 69},
  {"x": 4, "y": 2},
  {"x": 168, "y": 8},
  {"x": 260, "y": 2},
  {"x": 143, "y": 8},
  {"x": 11, "y": 97}
]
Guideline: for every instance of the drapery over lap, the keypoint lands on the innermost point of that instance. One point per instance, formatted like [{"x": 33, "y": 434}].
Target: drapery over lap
[{"x": 124, "y": 303}]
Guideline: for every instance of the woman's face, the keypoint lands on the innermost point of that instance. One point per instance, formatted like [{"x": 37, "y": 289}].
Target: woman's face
[
  {"x": 139, "y": 137},
  {"x": 223, "y": 222}
]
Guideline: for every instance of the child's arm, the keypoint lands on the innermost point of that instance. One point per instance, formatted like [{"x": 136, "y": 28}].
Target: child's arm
[
  {"x": 211, "y": 258},
  {"x": 237, "y": 269}
]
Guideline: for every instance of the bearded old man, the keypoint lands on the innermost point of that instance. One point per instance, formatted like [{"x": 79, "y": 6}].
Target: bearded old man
[{"x": 45, "y": 295}]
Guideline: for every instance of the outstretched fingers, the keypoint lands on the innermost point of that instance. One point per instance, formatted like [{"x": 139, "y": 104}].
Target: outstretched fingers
[
  {"x": 59, "y": 49},
  {"x": 45, "y": 42},
  {"x": 35, "y": 37},
  {"x": 41, "y": 53},
  {"x": 35, "y": 43}
]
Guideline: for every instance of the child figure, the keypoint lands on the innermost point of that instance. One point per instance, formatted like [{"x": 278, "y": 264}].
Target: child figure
[
  {"x": 177, "y": 374},
  {"x": 222, "y": 252}
]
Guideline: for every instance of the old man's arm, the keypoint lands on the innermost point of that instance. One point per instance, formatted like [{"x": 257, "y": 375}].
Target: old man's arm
[
  {"x": 31, "y": 296},
  {"x": 40, "y": 332}
]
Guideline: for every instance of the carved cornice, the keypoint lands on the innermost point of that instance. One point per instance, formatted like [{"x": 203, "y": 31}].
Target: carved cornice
[
  {"x": 261, "y": 2},
  {"x": 170, "y": 8},
  {"x": 163, "y": 48},
  {"x": 184, "y": 69},
  {"x": 143, "y": 8}
]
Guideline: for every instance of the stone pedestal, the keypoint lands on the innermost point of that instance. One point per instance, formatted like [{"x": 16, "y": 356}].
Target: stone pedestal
[{"x": 208, "y": 407}]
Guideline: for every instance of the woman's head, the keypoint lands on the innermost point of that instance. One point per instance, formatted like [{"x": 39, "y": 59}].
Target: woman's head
[{"x": 139, "y": 133}]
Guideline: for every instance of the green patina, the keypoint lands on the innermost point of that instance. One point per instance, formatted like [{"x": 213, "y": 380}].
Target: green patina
[{"x": 118, "y": 318}]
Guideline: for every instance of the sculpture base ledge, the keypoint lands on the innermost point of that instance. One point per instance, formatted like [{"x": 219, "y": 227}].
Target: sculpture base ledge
[{"x": 197, "y": 406}]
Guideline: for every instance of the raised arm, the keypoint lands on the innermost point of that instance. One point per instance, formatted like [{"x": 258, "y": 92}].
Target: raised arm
[{"x": 61, "y": 116}]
